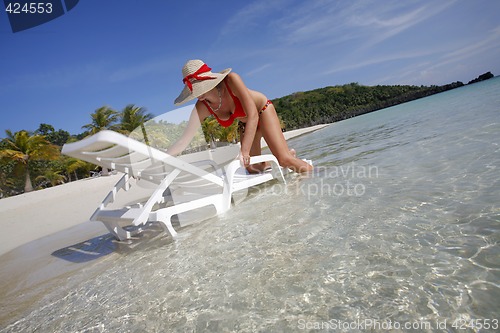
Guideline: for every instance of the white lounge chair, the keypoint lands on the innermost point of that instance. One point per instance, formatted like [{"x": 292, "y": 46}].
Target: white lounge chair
[{"x": 178, "y": 186}]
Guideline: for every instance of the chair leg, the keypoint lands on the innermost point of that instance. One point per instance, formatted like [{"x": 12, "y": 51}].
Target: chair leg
[
  {"x": 166, "y": 223},
  {"x": 117, "y": 231}
]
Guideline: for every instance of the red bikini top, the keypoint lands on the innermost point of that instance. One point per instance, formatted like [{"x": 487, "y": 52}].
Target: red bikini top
[{"x": 238, "y": 110}]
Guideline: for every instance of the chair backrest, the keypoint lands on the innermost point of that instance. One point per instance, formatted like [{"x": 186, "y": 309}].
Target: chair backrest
[{"x": 116, "y": 151}]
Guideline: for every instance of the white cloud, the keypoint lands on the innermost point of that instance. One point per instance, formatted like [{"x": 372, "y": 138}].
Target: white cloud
[
  {"x": 383, "y": 28},
  {"x": 491, "y": 41},
  {"x": 357, "y": 38},
  {"x": 368, "y": 22},
  {"x": 252, "y": 15},
  {"x": 455, "y": 58},
  {"x": 258, "y": 70},
  {"x": 381, "y": 59}
]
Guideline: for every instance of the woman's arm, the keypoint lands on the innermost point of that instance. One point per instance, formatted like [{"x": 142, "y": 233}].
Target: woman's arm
[
  {"x": 194, "y": 123},
  {"x": 241, "y": 91}
]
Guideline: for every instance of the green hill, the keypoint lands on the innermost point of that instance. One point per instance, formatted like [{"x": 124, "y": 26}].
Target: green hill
[{"x": 330, "y": 104}]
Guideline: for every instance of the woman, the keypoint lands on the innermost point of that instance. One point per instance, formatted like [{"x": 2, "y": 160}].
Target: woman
[{"x": 225, "y": 96}]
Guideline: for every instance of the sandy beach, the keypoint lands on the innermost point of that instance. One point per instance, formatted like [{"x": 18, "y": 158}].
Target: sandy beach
[{"x": 40, "y": 214}]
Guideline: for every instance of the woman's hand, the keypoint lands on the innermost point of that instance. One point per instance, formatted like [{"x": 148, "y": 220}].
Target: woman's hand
[{"x": 244, "y": 159}]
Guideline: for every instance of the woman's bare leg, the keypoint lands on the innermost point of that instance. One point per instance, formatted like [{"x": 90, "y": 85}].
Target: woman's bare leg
[
  {"x": 256, "y": 150},
  {"x": 271, "y": 131}
]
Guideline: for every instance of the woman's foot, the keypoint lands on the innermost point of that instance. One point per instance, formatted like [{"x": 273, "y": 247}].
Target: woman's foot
[{"x": 259, "y": 167}]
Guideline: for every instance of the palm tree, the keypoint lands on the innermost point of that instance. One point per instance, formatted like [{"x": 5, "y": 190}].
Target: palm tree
[
  {"x": 102, "y": 118},
  {"x": 6, "y": 185},
  {"x": 229, "y": 134},
  {"x": 211, "y": 130},
  {"x": 22, "y": 148},
  {"x": 132, "y": 117},
  {"x": 71, "y": 165},
  {"x": 51, "y": 177}
]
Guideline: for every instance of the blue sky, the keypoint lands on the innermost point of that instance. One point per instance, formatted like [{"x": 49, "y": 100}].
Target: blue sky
[{"x": 119, "y": 52}]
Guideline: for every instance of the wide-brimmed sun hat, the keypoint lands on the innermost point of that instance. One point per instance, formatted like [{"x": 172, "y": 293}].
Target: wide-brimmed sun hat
[{"x": 198, "y": 79}]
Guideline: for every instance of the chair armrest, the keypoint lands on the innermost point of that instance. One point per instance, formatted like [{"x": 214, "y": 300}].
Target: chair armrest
[
  {"x": 264, "y": 158},
  {"x": 232, "y": 167}
]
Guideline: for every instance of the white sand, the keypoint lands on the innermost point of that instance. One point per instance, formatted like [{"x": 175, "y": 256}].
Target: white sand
[{"x": 30, "y": 216}]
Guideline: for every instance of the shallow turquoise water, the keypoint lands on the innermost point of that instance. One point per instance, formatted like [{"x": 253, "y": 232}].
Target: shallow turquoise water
[{"x": 399, "y": 225}]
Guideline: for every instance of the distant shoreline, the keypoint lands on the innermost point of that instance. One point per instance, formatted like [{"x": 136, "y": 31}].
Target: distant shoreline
[{"x": 297, "y": 132}]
